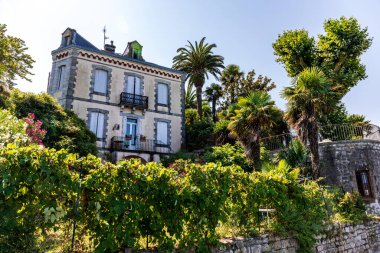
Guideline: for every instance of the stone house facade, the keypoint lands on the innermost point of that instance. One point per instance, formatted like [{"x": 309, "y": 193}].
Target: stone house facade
[{"x": 135, "y": 108}]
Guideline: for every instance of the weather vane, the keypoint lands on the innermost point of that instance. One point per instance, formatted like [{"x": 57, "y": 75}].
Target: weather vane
[{"x": 104, "y": 35}]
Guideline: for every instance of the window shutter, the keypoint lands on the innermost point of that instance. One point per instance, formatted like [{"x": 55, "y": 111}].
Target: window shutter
[
  {"x": 162, "y": 96},
  {"x": 162, "y": 133},
  {"x": 101, "y": 77}
]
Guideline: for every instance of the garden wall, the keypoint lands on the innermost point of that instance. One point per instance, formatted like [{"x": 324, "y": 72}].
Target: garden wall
[{"x": 343, "y": 238}]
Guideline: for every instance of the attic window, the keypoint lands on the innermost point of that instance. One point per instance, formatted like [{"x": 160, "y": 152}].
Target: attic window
[{"x": 66, "y": 40}]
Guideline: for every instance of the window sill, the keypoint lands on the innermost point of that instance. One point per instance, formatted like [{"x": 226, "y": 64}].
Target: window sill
[
  {"x": 99, "y": 93},
  {"x": 163, "y": 105}
]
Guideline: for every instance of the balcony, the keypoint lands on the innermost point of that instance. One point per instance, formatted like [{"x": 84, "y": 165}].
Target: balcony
[
  {"x": 119, "y": 143},
  {"x": 133, "y": 100}
]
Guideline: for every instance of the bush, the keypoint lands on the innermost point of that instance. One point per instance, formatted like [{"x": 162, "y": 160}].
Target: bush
[
  {"x": 12, "y": 130},
  {"x": 351, "y": 207},
  {"x": 64, "y": 128},
  {"x": 167, "y": 207},
  {"x": 199, "y": 134},
  {"x": 228, "y": 155}
]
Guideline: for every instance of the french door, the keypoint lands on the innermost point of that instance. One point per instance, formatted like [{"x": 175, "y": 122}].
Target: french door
[{"x": 130, "y": 130}]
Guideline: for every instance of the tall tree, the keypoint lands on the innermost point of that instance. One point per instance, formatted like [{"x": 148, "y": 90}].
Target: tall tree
[
  {"x": 231, "y": 77},
  {"x": 198, "y": 61},
  {"x": 14, "y": 62},
  {"x": 252, "y": 84},
  {"x": 337, "y": 52},
  {"x": 213, "y": 93},
  {"x": 254, "y": 113},
  {"x": 308, "y": 97}
]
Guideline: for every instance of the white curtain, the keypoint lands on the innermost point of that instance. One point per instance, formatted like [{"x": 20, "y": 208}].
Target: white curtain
[
  {"x": 133, "y": 85},
  {"x": 162, "y": 95},
  {"x": 97, "y": 124},
  {"x": 162, "y": 132},
  {"x": 101, "y": 77}
]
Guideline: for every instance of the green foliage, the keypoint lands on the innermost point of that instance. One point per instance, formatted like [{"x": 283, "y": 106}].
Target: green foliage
[
  {"x": 167, "y": 161},
  {"x": 337, "y": 52},
  {"x": 198, "y": 131},
  {"x": 221, "y": 132},
  {"x": 12, "y": 130},
  {"x": 14, "y": 62},
  {"x": 198, "y": 61},
  {"x": 64, "y": 128},
  {"x": 296, "y": 155},
  {"x": 228, "y": 155},
  {"x": 181, "y": 206},
  {"x": 351, "y": 207},
  {"x": 255, "y": 113},
  {"x": 190, "y": 96}
]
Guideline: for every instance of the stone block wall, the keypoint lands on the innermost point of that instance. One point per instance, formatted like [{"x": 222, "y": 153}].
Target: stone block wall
[
  {"x": 341, "y": 159},
  {"x": 338, "y": 238}
]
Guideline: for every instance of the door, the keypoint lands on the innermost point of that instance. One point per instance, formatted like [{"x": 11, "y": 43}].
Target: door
[{"x": 130, "y": 130}]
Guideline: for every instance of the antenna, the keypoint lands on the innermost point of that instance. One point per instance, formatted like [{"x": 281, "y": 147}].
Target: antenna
[{"x": 104, "y": 35}]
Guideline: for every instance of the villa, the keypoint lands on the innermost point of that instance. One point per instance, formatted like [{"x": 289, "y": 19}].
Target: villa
[{"x": 135, "y": 108}]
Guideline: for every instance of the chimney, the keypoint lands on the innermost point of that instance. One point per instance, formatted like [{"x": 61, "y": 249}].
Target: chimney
[{"x": 110, "y": 48}]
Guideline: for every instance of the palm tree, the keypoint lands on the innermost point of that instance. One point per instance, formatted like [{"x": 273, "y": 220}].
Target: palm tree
[
  {"x": 254, "y": 113},
  {"x": 213, "y": 93},
  {"x": 190, "y": 96},
  {"x": 231, "y": 76},
  {"x": 198, "y": 61},
  {"x": 307, "y": 98}
]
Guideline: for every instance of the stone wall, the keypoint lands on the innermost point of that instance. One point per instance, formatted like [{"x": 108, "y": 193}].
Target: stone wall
[
  {"x": 341, "y": 159},
  {"x": 338, "y": 238}
]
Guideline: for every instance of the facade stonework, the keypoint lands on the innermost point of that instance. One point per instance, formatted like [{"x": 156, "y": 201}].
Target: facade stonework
[
  {"x": 74, "y": 89},
  {"x": 337, "y": 238},
  {"x": 342, "y": 160}
]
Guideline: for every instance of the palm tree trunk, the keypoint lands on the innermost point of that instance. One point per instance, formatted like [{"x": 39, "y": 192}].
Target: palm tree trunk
[
  {"x": 256, "y": 154},
  {"x": 314, "y": 150},
  {"x": 199, "y": 100},
  {"x": 214, "y": 109}
]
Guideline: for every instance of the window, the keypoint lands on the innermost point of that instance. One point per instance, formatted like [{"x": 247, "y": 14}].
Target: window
[
  {"x": 97, "y": 124},
  {"x": 101, "y": 80},
  {"x": 162, "y": 94},
  {"x": 131, "y": 130},
  {"x": 162, "y": 133},
  {"x": 61, "y": 72},
  {"x": 364, "y": 187},
  {"x": 134, "y": 85}
]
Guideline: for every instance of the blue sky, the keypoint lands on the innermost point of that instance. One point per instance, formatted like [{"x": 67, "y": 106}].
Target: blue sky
[{"x": 243, "y": 30}]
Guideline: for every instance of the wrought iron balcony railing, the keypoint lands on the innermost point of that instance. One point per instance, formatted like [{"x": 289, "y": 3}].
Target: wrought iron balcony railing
[
  {"x": 119, "y": 143},
  {"x": 134, "y": 100}
]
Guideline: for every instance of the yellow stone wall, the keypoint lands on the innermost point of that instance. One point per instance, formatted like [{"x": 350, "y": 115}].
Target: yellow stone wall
[{"x": 84, "y": 69}]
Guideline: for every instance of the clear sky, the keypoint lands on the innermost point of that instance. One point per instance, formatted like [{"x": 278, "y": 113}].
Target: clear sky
[{"x": 243, "y": 31}]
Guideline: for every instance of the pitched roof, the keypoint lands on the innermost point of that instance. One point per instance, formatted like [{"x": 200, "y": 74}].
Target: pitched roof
[{"x": 80, "y": 42}]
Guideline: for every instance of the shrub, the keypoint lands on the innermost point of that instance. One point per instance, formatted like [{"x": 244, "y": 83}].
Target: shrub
[
  {"x": 351, "y": 207},
  {"x": 228, "y": 155},
  {"x": 12, "y": 130},
  {"x": 198, "y": 134},
  {"x": 64, "y": 129}
]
